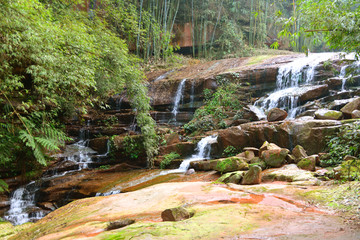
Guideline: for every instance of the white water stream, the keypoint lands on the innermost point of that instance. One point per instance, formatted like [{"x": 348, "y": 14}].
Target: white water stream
[
  {"x": 178, "y": 97},
  {"x": 290, "y": 82},
  {"x": 203, "y": 150},
  {"x": 23, "y": 200}
]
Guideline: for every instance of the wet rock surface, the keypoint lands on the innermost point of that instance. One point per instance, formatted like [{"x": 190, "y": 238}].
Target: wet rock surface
[{"x": 219, "y": 213}]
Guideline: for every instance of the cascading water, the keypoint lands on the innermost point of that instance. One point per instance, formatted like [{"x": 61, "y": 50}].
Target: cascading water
[
  {"x": 203, "y": 150},
  {"x": 23, "y": 200},
  {"x": 355, "y": 66},
  {"x": 178, "y": 97},
  {"x": 290, "y": 83}
]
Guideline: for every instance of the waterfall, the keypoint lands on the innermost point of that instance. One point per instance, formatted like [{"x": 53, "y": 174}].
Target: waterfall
[
  {"x": 178, "y": 97},
  {"x": 290, "y": 83},
  {"x": 23, "y": 200},
  {"x": 203, "y": 150}
]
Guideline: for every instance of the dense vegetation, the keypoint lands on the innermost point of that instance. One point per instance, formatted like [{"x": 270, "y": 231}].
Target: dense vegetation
[
  {"x": 55, "y": 61},
  {"x": 335, "y": 22},
  {"x": 222, "y": 104}
]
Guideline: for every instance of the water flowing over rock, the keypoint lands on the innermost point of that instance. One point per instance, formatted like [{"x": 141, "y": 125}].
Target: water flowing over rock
[
  {"x": 25, "y": 201},
  {"x": 178, "y": 96},
  {"x": 203, "y": 151},
  {"x": 291, "y": 78}
]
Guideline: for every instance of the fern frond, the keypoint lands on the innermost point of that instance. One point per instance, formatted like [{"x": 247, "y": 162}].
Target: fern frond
[
  {"x": 48, "y": 144},
  {"x": 39, "y": 155},
  {"x": 27, "y": 139},
  {"x": 3, "y": 186}
]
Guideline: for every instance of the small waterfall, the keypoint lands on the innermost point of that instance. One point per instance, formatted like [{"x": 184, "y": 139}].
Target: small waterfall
[
  {"x": 290, "y": 83},
  {"x": 342, "y": 75},
  {"x": 23, "y": 200},
  {"x": 118, "y": 103},
  {"x": 178, "y": 97},
  {"x": 203, "y": 150}
]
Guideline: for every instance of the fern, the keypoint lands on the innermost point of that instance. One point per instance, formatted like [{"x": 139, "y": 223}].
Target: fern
[{"x": 3, "y": 186}]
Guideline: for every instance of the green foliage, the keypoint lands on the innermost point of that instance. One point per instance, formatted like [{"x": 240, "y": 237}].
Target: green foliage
[
  {"x": 104, "y": 167},
  {"x": 230, "y": 151},
  {"x": 336, "y": 22},
  {"x": 3, "y": 188},
  {"x": 131, "y": 147},
  {"x": 54, "y": 60},
  {"x": 168, "y": 158},
  {"x": 351, "y": 170},
  {"x": 345, "y": 142},
  {"x": 217, "y": 106}
]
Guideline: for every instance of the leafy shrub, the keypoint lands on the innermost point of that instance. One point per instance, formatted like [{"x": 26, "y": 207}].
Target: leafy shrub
[
  {"x": 131, "y": 147},
  {"x": 229, "y": 151},
  {"x": 351, "y": 170},
  {"x": 104, "y": 167},
  {"x": 168, "y": 159},
  {"x": 217, "y": 105},
  {"x": 345, "y": 142},
  {"x": 3, "y": 188}
]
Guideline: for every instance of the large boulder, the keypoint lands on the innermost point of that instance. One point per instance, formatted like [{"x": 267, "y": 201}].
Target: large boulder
[
  {"x": 274, "y": 157},
  {"x": 176, "y": 214},
  {"x": 253, "y": 176},
  {"x": 348, "y": 109},
  {"x": 231, "y": 164},
  {"x": 309, "y": 133},
  {"x": 206, "y": 165},
  {"x": 99, "y": 144},
  {"x": 232, "y": 177},
  {"x": 355, "y": 114},
  {"x": 288, "y": 173},
  {"x": 328, "y": 114},
  {"x": 299, "y": 153},
  {"x": 276, "y": 114},
  {"x": 268, "y": 146},
  {"x": 309, "y": 93},
  {"x": 308, "y": 163},
  {"x": 334, "y": 83}
]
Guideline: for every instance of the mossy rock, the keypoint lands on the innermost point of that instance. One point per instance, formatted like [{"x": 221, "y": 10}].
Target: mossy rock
[
  {"x": 274, "y": 157},
  {"x": 288, "y": 173},
  {"x": 231, "y": 164},
  {"x": 258, "y": 162},
  {"x": 253, "y": 176},
  {"x": 328, "y": 114},
  {"x": 231, "y": 177},
  {"x": 299, "y": 153},
  {"x": 307, "y": 163}
]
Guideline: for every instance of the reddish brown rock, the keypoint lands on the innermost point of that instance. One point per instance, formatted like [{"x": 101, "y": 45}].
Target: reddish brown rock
[
  {"x": 314, "y": 92},
  {"x": 276, "y": 114},
  {"x": 274, "y": 157},
  {"x": 176, "y": 214}
]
